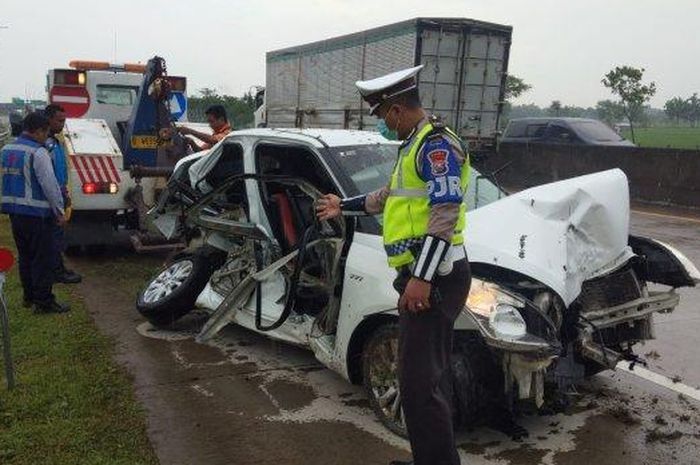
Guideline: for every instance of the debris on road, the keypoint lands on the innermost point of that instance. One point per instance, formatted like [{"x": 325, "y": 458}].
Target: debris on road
[{"x": 655, "y": 435}]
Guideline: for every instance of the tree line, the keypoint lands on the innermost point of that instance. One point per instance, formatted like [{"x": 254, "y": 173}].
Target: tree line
[
  {"x": 684, "y": 110},
  {"x": 238, "y": 109}
]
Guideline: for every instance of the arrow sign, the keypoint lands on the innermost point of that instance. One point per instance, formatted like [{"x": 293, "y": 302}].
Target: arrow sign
[{"x": 178, "y": 105}]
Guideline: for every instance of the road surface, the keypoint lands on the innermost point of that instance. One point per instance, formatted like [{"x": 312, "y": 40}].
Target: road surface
[{"x": 246, "y": 400}]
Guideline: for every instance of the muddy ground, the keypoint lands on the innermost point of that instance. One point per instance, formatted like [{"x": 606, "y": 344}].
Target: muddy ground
[{"x": 246, "y": 400}]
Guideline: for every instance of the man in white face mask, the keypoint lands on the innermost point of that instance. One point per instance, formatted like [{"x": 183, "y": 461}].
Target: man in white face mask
[{"x": 424, "y": 220}]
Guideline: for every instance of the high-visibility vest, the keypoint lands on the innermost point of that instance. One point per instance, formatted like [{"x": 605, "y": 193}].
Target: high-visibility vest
[
  {"x": 55, "y": 145},
  {"x": 407, "y": 209},
  {"x": 21, "y": 191}
]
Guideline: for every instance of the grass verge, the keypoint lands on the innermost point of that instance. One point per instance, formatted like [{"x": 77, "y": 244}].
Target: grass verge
[
  {"x": 73, "y": 404},
  {"x": 671, "y": 137}
]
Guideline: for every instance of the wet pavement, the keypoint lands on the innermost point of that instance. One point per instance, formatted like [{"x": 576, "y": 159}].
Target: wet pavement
[{"x": 246, "y": 400}]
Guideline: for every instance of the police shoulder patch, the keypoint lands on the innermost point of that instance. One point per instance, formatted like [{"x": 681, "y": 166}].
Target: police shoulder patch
[{"x": 439, "y": 162}]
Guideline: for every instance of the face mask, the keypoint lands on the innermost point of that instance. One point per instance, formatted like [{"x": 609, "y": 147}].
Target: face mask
[{"x": 384, "y": 130}]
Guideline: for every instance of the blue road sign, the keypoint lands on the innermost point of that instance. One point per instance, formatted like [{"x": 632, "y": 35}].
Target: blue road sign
[{"x": 178, "y": 105}]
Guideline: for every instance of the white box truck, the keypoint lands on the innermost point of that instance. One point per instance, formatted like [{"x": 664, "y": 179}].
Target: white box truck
[{"x": 466, "y": 64}]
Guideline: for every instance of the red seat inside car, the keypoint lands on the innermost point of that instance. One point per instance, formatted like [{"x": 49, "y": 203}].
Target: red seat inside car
[{"x": 284, "y": 210}]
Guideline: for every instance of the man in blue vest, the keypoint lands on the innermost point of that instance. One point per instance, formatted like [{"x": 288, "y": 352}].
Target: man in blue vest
[
  {"x": 55, "y": 144},
  {"x": 32, "y": 197},
  {"x": 424, "y": 216}
]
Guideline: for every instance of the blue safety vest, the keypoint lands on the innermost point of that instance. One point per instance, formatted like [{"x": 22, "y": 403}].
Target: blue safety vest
[
  {"x": 21, "y": 191},
  {"x": 60, "y": 165}
]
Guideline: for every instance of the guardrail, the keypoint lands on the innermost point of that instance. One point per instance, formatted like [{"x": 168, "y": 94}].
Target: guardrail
[{"x": 660, "y": 176}]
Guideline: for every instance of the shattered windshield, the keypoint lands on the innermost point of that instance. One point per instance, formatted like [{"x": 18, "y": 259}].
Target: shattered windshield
[{"x": 369, "y": 168}]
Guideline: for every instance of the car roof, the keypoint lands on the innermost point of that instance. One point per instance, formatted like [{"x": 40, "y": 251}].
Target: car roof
[
  {"x": 546, "y": 119},
  {"x": 317, "y": 137}
]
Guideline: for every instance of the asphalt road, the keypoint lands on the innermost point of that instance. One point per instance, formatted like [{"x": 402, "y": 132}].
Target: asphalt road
[{"x": 246, "y": 400}]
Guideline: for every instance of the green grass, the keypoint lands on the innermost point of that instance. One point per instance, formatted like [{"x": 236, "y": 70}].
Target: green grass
[
  {"x": 672, "y": 137},
  {"x": 73, "y": 404}
]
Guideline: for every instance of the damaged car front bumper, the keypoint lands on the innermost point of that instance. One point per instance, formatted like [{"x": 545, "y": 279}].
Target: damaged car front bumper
[{"x": 633, "y": 320}]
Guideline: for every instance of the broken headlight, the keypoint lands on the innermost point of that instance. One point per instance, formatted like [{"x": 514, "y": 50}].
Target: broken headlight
[
  {"x": 509, "y": 321},
  {"x": 490, "y": 301}
]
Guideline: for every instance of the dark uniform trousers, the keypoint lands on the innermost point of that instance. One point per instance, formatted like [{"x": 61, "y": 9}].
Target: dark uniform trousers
[
  {"x": 425, "y": 368},
  {"x": 59, "y": 246},
  {"x": 34, "y": 237}
]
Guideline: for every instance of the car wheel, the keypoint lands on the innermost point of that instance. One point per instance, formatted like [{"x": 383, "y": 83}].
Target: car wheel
[
  {"x": 477, "y": 380},
  {"x": 173, "y": 291},
  {"x": 380, "y": 377},
  {"x": 74, "y": 251}
]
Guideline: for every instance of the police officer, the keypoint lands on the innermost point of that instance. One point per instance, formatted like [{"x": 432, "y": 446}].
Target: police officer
[
  {"x": 55, "y": 144},
  {"x": 32, "y": 198},
  {"x": 424, "y": 217}
]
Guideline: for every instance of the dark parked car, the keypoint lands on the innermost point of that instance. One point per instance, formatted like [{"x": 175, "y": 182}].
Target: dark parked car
[{"x": 581, "y": 131}]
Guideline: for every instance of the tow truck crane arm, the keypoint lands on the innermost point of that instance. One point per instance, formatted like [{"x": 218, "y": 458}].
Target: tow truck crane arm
[{"x": 151, "y": 143}]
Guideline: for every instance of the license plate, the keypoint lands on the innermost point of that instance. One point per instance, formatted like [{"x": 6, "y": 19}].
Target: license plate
[{"x": 148, "y": 142}]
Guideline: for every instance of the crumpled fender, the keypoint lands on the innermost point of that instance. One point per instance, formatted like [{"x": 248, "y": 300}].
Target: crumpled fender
[{"x": 665, "y": 264}]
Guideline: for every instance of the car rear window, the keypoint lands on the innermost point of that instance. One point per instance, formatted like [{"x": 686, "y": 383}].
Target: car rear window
[{"x": 597, "y": 131}]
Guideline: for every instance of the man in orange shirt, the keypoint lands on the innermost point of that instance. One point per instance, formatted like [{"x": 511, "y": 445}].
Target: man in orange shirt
[{"x": 218, "y": 121}]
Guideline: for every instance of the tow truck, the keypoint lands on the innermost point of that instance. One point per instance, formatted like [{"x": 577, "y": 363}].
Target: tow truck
[{"x": 120, "y": 139}]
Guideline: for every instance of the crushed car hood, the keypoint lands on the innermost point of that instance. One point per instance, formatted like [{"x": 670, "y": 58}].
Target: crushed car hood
[{"x": 560, "y": 234}]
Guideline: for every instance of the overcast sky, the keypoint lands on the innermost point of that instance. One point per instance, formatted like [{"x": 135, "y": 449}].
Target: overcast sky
[{"x": 561, "y": 47}]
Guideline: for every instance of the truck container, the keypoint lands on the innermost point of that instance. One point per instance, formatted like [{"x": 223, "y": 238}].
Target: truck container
[{"x": 466, "y": 64}]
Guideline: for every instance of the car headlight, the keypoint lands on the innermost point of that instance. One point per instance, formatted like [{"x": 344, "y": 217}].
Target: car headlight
[
  {"x": 491, "y": 302},
  {"x": 507, "y": 321}
]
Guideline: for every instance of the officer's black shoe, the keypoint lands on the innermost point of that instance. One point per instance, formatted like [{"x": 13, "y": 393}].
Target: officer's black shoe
[
  {"x": 51, "y": 307},
  {"x": 26, "y": 303},
  {"x": 399, "y": 462},
  {"x": 66, "y": 276}
]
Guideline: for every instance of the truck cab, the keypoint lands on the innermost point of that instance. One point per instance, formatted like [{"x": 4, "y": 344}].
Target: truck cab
[
  {"x": 104, "y": 103},
  {"x": 106, "y": 91}
]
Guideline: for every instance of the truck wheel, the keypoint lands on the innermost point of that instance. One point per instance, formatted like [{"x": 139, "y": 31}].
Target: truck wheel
[
  {"x": 380, "y": 377},
  {"x": 173, "y": 291}
]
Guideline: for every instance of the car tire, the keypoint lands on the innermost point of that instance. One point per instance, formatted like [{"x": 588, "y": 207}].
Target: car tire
[
  {"x": 477, "y": 380},
  {"x": 173, "y": 291},
  {"x": 380, "y": 377},
  {"x": 74, "y": 251}
]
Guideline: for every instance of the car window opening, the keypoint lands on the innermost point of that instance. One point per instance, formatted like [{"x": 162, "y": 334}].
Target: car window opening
[
  {"x": 291, "y": 213},
  {"x": 291, "y": 210},
  {"x": 233, "y": 200}
]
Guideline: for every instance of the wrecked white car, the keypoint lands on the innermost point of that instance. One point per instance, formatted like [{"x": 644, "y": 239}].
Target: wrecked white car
[{"x": 560, "y": 289}]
